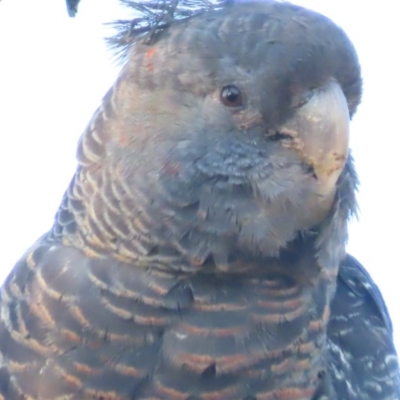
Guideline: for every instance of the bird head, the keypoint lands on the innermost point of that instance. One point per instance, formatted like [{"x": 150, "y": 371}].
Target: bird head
[{"x": 229, "y": 130}]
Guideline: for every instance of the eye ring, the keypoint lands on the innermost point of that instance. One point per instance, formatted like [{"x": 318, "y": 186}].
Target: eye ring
[{"x": 231, "y": 96}]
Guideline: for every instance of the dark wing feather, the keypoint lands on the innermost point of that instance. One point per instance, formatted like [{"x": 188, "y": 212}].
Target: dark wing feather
[{"x": 364, "y": 363}]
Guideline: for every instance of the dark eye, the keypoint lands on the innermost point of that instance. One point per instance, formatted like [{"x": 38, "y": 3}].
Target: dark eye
[{"x": 231, "y": 96}]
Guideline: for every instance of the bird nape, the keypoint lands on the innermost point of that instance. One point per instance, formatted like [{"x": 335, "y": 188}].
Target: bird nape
[{"x": 199, "y": 251}]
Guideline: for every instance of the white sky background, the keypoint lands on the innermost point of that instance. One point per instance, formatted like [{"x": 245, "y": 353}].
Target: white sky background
[{"x": 54, "y": 71}]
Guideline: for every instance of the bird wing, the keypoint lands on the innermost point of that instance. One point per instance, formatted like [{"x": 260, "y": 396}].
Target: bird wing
[{"x": 364, "y": 363}]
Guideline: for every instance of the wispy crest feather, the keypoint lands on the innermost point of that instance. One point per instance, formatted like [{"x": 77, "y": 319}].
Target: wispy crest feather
[{"x": 152, "y": 17}]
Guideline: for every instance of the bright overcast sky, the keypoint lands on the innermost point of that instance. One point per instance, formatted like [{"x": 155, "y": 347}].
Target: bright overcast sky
[{"x": 54, "y": 70}]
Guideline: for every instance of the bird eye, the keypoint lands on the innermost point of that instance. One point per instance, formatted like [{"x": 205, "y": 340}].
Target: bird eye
[{"x": 231, "y": 96}]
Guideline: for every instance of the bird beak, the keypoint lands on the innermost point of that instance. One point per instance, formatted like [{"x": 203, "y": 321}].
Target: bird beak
[{"x": 319, "y": 132}]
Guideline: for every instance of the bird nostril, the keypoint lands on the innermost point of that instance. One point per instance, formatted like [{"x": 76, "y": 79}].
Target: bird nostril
[
  {"x": 276, "y": 136},
  {"x": 309, "y": 170}
]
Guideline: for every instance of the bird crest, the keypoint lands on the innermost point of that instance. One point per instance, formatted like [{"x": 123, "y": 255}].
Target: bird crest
[{"x": 150, "y": 18}]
